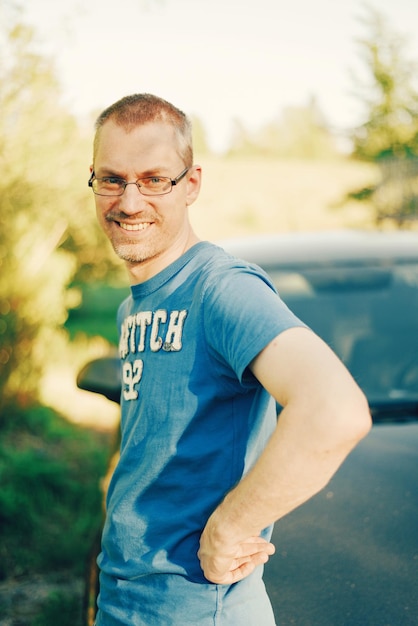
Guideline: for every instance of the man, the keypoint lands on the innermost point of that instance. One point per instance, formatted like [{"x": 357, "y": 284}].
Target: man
[{"x": 207, "y": 349}]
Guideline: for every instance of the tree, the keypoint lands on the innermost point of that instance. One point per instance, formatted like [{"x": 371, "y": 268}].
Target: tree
[
  {"x": 48, "y": 231},
  {"x": 241, "y": 143},
  {"x": 389, "y": 135},
  {"x": 299, "y": 132}
]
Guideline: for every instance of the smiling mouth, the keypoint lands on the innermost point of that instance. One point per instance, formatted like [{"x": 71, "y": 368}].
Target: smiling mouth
[{"x": 134, "y": 227}]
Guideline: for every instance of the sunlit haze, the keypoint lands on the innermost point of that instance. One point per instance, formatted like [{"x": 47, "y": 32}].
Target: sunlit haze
[{"x": 217, "y": 59}]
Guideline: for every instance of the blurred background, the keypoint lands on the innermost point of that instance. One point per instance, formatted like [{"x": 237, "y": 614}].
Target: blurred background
[{"x": 319, "y": 101}]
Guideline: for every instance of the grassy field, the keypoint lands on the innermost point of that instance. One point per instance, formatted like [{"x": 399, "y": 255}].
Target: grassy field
[{"x": 243, "y": 197}]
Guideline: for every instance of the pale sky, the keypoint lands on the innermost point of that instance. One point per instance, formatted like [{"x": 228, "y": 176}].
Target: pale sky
[{"x": 217, "y": 59}]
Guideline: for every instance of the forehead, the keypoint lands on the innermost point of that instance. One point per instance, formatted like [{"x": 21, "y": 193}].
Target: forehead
[{"x": 144, "y": 146}]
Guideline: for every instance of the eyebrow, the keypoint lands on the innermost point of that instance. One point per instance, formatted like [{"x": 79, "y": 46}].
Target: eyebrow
[{"x": 105, "y": 171}]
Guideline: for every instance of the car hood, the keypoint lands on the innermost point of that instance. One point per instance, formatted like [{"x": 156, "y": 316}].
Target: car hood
[{"x": 349, "y": 555}]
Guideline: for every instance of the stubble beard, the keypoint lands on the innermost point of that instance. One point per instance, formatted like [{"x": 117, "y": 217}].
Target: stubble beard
[{"x": 131, "y": 253}]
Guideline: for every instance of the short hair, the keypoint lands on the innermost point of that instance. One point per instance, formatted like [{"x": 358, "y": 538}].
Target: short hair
[{"x": 143, "y": 108}]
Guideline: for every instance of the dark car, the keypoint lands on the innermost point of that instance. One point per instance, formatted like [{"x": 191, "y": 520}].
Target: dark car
[{"x": 349, "y": 556}]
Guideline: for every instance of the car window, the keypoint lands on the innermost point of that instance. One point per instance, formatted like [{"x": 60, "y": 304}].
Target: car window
[{"x": 368, "y": 315}]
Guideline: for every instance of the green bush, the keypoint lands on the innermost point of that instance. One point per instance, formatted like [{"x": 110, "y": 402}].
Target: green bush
[
  {"x": 50, "y": 498},
  {"x": 60, "y": 608}
]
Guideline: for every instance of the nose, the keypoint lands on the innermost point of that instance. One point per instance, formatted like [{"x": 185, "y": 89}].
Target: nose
[{"x": 132, "y": 201}]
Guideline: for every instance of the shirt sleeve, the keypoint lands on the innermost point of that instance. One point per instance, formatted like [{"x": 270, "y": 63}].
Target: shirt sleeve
[{"x": 242, "y": 314}]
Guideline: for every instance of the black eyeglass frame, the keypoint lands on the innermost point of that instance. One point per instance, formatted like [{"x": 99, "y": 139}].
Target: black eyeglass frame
[{"x": 172, "y": 181}]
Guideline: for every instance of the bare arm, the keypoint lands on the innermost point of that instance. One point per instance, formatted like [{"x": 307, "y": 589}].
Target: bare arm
[{"x": 324, "y": 416}]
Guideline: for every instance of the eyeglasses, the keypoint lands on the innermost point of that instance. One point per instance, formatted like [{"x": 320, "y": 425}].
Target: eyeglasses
[{"x": 149, "y": 186}]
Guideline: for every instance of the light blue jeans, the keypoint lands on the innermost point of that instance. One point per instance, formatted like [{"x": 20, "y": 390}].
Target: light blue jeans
[{"x": 172, "y": 600}]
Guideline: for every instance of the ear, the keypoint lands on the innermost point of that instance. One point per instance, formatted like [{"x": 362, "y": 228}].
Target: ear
[
  {"x": 194, "y": 179},
  {"x": 91, "y": 169}
]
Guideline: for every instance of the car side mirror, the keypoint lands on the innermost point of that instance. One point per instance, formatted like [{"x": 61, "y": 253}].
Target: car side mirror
[{"x": 102, "y": 376}]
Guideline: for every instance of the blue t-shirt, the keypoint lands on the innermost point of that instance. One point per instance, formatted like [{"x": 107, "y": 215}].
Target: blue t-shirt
[{"x": 194, "y": 421}]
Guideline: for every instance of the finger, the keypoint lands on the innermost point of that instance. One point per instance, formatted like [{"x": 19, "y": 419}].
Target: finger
[
  {"x": 245, "y": 569},
  {"x": 257, "y": 558},
  {"x": 249, "y": 548}
]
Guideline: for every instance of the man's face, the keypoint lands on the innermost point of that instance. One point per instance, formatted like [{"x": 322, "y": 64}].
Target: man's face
[{"x": 143, "y": 228}]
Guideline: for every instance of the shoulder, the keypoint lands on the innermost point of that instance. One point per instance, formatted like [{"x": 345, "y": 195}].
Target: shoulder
[{"x": 220, "y": 270}]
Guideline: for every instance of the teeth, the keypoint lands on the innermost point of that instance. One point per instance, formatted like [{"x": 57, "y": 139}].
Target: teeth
[{"x": 141, "y": 226}]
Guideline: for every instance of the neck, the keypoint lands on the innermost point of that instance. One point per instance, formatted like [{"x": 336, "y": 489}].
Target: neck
[{"x": 144, "y": 270}]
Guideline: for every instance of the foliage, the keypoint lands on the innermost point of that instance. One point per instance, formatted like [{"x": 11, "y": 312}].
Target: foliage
[
  {"x": 29, "y": 229},
  {"x": 389, "y": 94},
  {"x": 389, "y": 135},
  {"x": 60, "y": 608},
  {"x": 50, "y": 501},
  {"x": 48, "y": 231},
  {"x": 395, "y": 197},
  {"x": 96, "y": 297}
]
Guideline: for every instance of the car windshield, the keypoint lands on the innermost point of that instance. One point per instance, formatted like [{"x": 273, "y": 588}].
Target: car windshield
[{"x": 367, "y": 314}]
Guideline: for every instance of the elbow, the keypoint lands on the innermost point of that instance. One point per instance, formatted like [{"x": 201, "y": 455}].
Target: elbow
[
  {"x": 355, "y": 418},
  {"x": 363, "y": 417},
  {"x": 344, "y": 419}
]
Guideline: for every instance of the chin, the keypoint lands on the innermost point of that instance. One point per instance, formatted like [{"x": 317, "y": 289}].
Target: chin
[{"x": 134, "y": 253}]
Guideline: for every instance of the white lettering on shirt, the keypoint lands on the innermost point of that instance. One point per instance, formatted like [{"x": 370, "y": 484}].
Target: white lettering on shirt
[{"x": 153, "y": 330}]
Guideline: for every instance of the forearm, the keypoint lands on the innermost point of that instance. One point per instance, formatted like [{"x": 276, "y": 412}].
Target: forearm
[
  {"x": 291, "y": 469},
  {"x": 294, "y": 466},
  {"x": 325, "y": 416}
]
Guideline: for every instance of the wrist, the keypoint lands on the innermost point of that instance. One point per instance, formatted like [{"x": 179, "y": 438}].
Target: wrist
[{"x": 227, "y": 526}]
